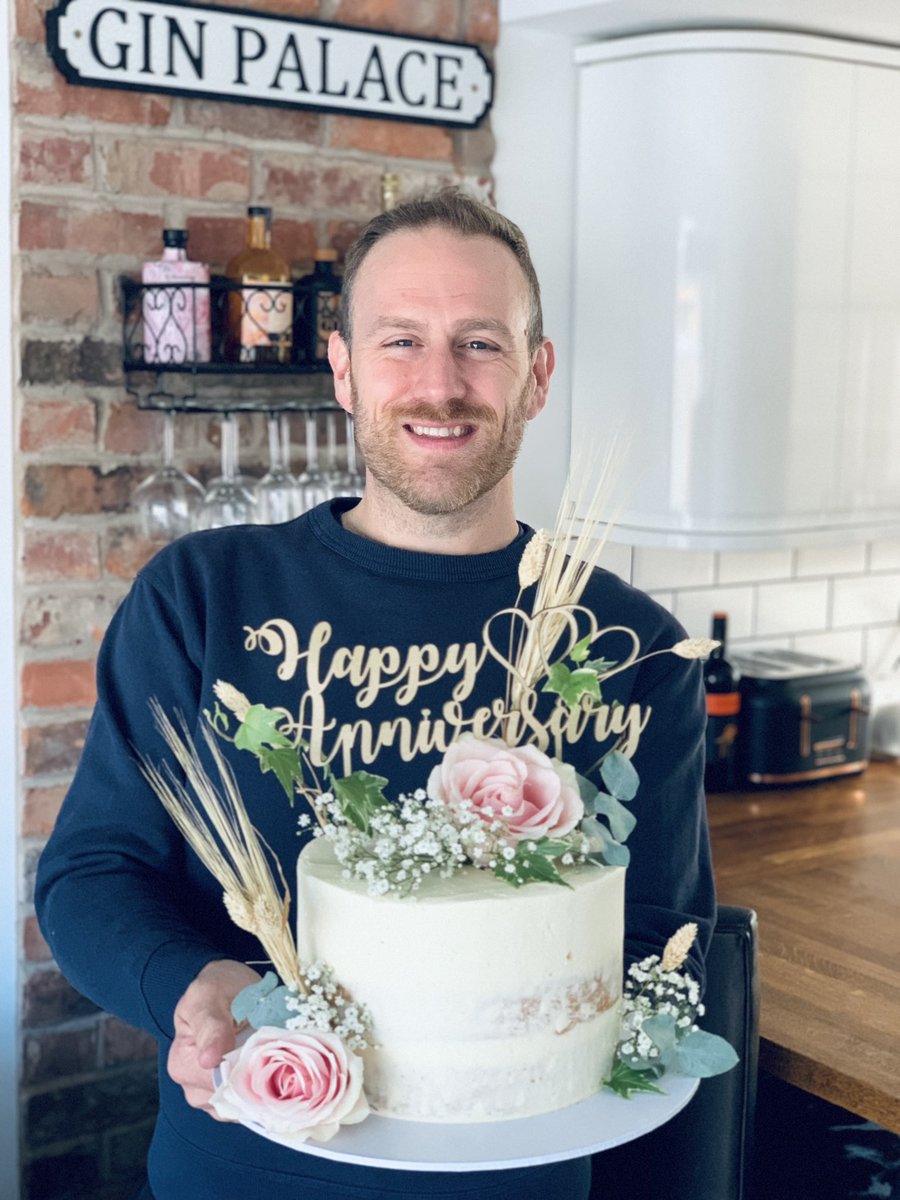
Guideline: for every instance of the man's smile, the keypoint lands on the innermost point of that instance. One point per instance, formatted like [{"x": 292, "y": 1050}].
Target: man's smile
[{"x": 435, "y": 433}]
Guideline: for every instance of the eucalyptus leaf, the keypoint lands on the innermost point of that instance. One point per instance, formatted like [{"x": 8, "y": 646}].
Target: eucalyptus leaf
[
  {"x": 621, "y": 821},
  {"x": 358, "y": 796},
  {"x": 619, "y": 775},
  {"x": 663, "y": 1032},
  {"x": 256, "y": 998},
  {"x": 703, "y": 1054},
  {"x": 588, "y": 792}
]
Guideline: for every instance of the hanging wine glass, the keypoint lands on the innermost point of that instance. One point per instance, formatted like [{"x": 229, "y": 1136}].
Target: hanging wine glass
[
  {"x": 337, "y": 480},
  {"x": 247, "y": 482},
  {"x": 227, "y": 501},
  {"x": 355, "y": 466},
  {"x": 167, "y": 500},
  {"x": 278, "y": 492},
  {"x": 313, "y": 489}
]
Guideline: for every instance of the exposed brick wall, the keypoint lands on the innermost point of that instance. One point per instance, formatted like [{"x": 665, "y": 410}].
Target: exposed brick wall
[{"x": 95, "y": 167}]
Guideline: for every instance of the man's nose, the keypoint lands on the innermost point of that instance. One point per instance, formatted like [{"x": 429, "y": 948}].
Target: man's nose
[{"x": 440, "y": 376}]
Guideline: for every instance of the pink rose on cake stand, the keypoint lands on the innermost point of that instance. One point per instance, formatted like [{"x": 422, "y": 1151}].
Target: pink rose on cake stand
[
  {"x": 532, "y": 795},
  {"x": 294, "y": 1085}
]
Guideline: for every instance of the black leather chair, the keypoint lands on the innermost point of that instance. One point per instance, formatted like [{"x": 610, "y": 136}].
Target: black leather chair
[{"x": 704, "y": 1152}]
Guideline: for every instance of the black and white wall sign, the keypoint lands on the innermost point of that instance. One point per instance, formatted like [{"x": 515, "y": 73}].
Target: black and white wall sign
[{"x": 231, "y": 54}]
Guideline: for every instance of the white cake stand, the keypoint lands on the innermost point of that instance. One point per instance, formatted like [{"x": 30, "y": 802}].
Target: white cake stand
[{"x": 603, "y": 1121}]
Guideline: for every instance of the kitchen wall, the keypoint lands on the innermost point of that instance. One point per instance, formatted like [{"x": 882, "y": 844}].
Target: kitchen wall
[
  {"x": 94, "y": 169},
  {"x": 842, "y": 601}
]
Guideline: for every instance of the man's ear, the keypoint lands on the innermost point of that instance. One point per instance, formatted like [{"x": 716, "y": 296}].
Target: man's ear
[
  {"x": 541, "y": 369},
  {"x": 339, "y": 358}
]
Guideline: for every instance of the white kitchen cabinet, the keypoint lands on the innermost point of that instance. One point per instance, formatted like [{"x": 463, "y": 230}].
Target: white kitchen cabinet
[{"x": 735, "y": 283}]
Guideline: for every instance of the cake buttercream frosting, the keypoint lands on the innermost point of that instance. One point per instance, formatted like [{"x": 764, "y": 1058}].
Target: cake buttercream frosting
[{"x": 488, "y": 1002}]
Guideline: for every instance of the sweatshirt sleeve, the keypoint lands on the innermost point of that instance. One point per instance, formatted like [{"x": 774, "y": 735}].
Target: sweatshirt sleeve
[
  {"x": 114, "y": 895},
  {"x": 670, "y": 880}
]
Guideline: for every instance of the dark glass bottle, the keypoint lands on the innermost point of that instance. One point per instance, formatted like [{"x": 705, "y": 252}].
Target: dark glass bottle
[
  {"x": 723, "y": 704},
  {"x": 321, "y": 291}
]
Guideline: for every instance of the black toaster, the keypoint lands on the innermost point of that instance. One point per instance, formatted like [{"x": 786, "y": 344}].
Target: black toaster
[{"x": 802, "y": 718}]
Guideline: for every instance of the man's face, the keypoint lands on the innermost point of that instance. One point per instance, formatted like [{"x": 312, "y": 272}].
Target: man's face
[{"x": 441, "y": 381}]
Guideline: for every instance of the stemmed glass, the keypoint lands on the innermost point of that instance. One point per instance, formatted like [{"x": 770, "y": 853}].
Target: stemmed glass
[
  {"x": 313, "y": 488},
  {"x": 338, "y": 479},
  {"x": 278, "y": 492},
  {"x": 227, "y": 501},
  {"x": 167, "y": 500},
  {"x": 355, "y": 468}
]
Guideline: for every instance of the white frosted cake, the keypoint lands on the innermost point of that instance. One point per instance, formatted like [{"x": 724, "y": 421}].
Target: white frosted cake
[{"x": 488, "y": 1002}]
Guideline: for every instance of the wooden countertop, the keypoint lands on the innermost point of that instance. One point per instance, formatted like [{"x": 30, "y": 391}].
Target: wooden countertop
[{"x": 821, "y": 867}]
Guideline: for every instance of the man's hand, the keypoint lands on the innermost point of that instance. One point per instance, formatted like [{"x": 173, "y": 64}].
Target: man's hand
[{"x": 205, "y": 1029}]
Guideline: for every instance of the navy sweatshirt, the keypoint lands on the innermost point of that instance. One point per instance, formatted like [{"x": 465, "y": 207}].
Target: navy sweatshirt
[{"x": 378, "y": 655}]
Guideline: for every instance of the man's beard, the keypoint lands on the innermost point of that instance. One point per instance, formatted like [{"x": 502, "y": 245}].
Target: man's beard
[{"x": 453, "y": 486}]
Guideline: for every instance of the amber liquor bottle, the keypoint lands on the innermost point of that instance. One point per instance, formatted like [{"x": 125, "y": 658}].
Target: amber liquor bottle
[
  {"x": 260, "y": 301},
  {"x": 723, "y": 705}
]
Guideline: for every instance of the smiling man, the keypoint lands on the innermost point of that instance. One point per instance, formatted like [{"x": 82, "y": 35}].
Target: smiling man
[
  {"x": 364, "y": 623},
  {"x": 442, "y": 362}
]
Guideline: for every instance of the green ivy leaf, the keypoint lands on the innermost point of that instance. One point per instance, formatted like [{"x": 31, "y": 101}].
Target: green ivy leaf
[
  {"x": 535, "y": 865},
  {"x": 579, "y": 651},
  {"x": 358, "y": 796},
  {"x": 703, "y": 1054},
  {"x": 572, "y": 685},
  {"x": 218, "y": 718},
  {"x": 286, "y": 765},
  {"x": 619, "y": 775},
  {"x": 258, "y": 729},
  {"x": 625, "y": 1080},
  {"x": 601, "y": 665}
]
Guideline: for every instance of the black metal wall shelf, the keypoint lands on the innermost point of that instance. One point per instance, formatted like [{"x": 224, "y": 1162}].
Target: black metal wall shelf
[{"x": 217, "y": 385}]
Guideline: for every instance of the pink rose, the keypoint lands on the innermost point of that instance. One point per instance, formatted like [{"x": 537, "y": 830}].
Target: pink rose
[
  {"x": 533, "y": 795},
  {"x": 293, "y": 1084}
]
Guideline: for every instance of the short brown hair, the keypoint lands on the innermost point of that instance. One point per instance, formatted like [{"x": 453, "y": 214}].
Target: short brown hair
[{"x": 461, "y": 213}]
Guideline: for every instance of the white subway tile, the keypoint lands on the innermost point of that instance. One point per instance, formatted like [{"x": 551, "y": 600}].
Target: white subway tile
[
  {"x": 831, "y": 560},
  {"x": 745, "y": 645},
  {"x": 617, "y": 558},
  {"x": 870, "y": 600},
  {"x": 752, "y": 566},
  {"x": 666, "y": 599},
  {"x": 791, "y": 607},
  {"x": 694, "y": 610},
  {"x": 845, "y": 645},
  {"x": 659, "y": 568},
  {"x": 882, "y": 649},
  {"x": 884, "y": 556}
]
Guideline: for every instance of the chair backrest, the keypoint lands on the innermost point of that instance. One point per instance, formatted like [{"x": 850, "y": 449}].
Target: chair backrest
[{"x": 704, "y": 1152}]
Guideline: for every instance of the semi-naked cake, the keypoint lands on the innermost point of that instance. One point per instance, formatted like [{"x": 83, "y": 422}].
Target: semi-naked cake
[{"x": 488, "y": 1002}]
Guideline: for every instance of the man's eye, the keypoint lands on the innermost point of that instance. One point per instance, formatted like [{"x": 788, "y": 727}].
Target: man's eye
[
  {"x": 401, "y": 342},
  {"x": 478, "y": 344}
]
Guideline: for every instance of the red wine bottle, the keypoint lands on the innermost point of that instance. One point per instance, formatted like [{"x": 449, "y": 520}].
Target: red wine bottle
[{"x": 723, "y": 704}]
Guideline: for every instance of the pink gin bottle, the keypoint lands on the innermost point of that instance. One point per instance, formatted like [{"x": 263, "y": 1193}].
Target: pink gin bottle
[{"x": 176, "y": 318}]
